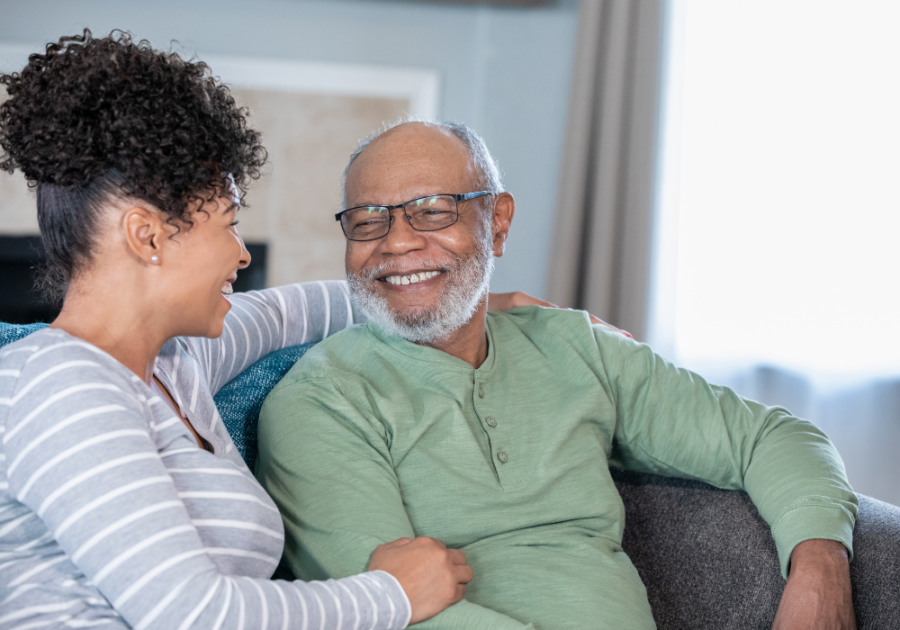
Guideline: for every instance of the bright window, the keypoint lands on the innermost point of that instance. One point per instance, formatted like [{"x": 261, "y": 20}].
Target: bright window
[{"x": 781, "y": 196}]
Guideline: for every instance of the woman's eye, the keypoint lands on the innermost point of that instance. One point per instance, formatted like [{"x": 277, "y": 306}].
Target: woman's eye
[{"x": 234, "y": 223}]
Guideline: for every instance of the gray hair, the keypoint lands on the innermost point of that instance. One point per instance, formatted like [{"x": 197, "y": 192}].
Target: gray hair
[{"x": 488, "y": 171}]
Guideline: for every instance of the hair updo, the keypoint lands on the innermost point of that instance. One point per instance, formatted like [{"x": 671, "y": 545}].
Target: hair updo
[{"x": 92, "y": 120}]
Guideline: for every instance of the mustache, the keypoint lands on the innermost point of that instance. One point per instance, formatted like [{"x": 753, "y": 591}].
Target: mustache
[{"x": 392, "y": 267}]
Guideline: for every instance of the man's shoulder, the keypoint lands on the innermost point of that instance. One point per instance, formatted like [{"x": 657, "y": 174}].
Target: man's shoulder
[
  {"x": 560, "y": 323},
  {"x": 336, "y": 355}
]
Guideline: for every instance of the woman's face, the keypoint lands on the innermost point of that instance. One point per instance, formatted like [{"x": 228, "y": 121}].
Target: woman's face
[{"x": 204, "y": 260}]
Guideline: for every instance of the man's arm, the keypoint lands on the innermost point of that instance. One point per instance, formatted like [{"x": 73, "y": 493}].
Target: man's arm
[
  {"x": 327, "y": 464},
  {"x": 671, "y": 422}
]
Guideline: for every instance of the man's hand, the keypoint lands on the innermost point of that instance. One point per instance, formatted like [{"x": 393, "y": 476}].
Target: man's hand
[
  {"x": 817, "y": 595},
  {"x": 505, "y": 301},
  {"x": 432, "y": 576}
]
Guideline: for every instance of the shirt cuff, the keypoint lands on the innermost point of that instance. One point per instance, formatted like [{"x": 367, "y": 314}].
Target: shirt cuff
[
  {"x": 397, "y": 596},
  {"x": 811, "y": 521}
]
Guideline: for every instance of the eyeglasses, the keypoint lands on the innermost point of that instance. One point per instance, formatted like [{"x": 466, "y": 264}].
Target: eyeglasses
[{"x": 424, "y": 214}]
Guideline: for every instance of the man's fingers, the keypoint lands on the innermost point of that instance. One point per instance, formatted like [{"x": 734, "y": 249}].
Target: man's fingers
[
  {"x": 460, "y": 593},
  {"x": 397, "y": 543},
  {"x": 435, "y": 541}
]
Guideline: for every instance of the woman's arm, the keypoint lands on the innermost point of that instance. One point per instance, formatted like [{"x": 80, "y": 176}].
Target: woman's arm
[
  {"x": 82, "y": 456},
  {"x": 261, "y": 322}
]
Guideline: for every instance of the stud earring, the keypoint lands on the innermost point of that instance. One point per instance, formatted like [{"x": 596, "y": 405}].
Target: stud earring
[{"x": 154, "y": 258}]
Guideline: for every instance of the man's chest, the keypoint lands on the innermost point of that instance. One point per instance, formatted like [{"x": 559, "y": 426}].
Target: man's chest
[{"x": 519, "y": 446}]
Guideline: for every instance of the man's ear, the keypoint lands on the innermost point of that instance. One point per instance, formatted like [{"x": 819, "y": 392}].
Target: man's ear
[
  {"x": 145, "y": 232},
  {"x": 504, "y": 209}
]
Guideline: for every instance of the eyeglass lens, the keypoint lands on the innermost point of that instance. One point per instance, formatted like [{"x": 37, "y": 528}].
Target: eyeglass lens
[{"x": 425, "y": 214}]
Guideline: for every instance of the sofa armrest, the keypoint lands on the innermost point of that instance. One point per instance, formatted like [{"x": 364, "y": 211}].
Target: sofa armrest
[{"x": 708, "y": 559}]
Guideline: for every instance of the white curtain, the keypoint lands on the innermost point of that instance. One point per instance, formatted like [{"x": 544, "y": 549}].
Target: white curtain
[{"x": 604, "y": 216}]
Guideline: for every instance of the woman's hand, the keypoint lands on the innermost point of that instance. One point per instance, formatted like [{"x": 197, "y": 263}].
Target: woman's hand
[
  {"x": 505, "y": 301},
  {"x": 432, "y": 576}
]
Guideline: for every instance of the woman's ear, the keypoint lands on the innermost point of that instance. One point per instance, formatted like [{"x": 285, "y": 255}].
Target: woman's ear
[
  {"x": 504, "y": 210},
  {"x": 145, "y": 232}
]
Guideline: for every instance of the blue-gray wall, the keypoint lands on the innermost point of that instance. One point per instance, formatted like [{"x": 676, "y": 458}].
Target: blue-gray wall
[{"x": 504, "y": 71}]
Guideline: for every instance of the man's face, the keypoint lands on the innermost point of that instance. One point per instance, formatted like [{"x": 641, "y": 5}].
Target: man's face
[{"x": 452, "y": 266}]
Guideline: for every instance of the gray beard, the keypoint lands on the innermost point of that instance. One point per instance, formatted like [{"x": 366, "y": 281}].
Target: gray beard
[{"x": 467, "y": 283}]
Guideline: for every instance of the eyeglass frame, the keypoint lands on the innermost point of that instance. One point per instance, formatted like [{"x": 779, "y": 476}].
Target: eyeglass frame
[{"x": 456, "y": 198}]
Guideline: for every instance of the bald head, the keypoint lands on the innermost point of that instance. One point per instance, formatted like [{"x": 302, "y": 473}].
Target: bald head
[{"x": 443, "y": 138}]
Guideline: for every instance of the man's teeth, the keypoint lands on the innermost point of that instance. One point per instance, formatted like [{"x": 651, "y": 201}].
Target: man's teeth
[
  {"x": 227, "y": 289},
  {"x": 412, "y": 278}
]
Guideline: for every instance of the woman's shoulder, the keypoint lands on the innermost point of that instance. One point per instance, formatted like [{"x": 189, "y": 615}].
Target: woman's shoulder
[{"x": 51, "y": 359}]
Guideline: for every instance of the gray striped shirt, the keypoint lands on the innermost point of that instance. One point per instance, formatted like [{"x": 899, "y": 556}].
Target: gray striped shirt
[{"x": 110, "y": 514}]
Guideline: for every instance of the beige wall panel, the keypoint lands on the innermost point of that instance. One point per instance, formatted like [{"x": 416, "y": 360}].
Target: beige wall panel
[{"x": 309, "y": 138}]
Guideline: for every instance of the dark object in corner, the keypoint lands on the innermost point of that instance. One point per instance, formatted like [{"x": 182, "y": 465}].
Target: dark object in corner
[{"x": 21, "y": 303}]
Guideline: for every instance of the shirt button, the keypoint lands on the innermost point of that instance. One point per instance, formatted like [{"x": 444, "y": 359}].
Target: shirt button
[
  {"x": 502, "y": 456},
  {"x": 491, "y": 421},
  {"x": 481, "y": 391}
]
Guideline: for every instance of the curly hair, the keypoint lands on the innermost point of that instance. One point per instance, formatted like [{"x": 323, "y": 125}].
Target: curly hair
[{"x": 93, "y": 119}]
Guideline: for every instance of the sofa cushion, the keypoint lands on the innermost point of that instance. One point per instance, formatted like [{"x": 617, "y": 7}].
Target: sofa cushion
[{"x": 240, "y": 401}]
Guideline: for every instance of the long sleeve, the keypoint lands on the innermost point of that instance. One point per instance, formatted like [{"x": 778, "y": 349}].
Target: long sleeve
[
  {"x": 101, "y": 487},
  {"x": 672, "y": 422},
  {"x": 342, "y": 498},
  {"x": 261, "y": 322}
]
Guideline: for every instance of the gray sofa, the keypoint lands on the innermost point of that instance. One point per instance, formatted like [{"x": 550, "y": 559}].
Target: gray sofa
[{"x": 705, "y": 555}]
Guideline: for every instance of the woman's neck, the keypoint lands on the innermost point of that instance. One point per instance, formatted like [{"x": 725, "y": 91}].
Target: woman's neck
[{"x": 116, "y": 321}]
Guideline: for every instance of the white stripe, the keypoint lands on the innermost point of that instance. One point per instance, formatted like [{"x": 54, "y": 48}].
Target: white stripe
[
  {"x": 241, "y": 609},
  {"x": 245, "y": 341},
  {"x": 70, "y": 342},
  {"x": 345, "y": 289},
  {"x": 36, "y": 610},
  {"x": 165, "y": 425},
  {"x": 233, "y": 350},
  {"x": 241, "y": 553},
  {"x": 284, "y": 316},
  {"x": 285, "y": 613},
  {"x": 355, "y": 604},
  {"x": 249, "y": 340},
  {"x": 5, "y": 354},
  {"x": 300, "y": 597},
  {"x": 337, "y": 605},
  {"x": 14, "y": 373},
  {"x": 43, "y": 623},
  {"x": 264, "y": 623},
  {"x": 99, "y": 439},
  {"x": 196, "y": 388},
  {"x": 161, "y": 606},
  {"x": 147, "y": 577},
  {"x": 20, "y": 590},
  {"x": 178, "y": 451},
  {"x": 207, "y": 471},
  {"x": 14, "y": 524},
  {"x": 262, "y": 317},
  {"x": 96, "y": 470},
  {"x": 236, "y": 496},
  {"x": 250, "y": 526},
  {"x": 365, "y": 589},
  {"x": 312, "y": 588},
  {"x": 225, "y": 606},
  {"x": 380, "y": 586},
  {"x": 56, "y": 428},
  {"x": 116, "y": 562},
  {"x": 305, "y": 314},
  {"x": 109, "y": 496},
  {"x": 55, "y": 398},
  {"x": 119, "y": 524},
  {"x": 37, "y": 569},
  {"x": 192, "y": 616},
  {"x": 327, "y": 297}
]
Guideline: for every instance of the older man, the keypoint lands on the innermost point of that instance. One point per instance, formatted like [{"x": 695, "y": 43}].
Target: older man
[{"x": 495, "y": 431}]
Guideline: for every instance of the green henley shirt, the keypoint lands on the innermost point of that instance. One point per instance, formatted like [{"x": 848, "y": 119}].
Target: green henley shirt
[{"x": 370, "y": 438}]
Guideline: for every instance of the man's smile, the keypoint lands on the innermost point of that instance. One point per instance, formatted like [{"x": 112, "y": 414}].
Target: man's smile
[{"x": 410, "y": 278}]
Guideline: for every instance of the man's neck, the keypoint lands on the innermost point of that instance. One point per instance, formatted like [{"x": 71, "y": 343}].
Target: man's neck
[{"x": 469, "y": 343}]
